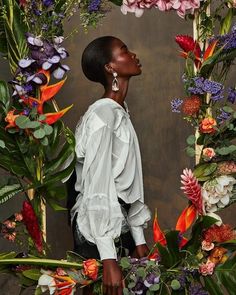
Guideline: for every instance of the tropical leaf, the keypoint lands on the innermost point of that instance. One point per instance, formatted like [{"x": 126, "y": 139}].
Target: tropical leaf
[
  {"x": 9, "y": 191},
  {"x": 13, "y": 32},
  {"x": 4, "y": 96},
  {"x": 203, "y": 171}
]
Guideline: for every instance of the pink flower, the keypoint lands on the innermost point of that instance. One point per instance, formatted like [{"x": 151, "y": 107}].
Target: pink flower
[
  {"x": 192, "y": 189},
  {"x": 10, "y": 237},
  {"x": 207, "y": 268},
  {"x": 9, "y": 224},
  {"x": 207, "y": 246},
  {"x": 208, "y": 153},
  {"x": 18, "y": 217}
]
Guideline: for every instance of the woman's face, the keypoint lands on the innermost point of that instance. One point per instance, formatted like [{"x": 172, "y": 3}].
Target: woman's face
[{"x": 123, "y": 61}]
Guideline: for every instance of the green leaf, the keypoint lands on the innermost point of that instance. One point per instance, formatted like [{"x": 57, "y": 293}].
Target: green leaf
[
  {"x": 2, "y": 144},
  {"x": 125, "y": 263},
  {"x": 141, "y": 272},
  {"x": 212, "y": 286},
  {"x": 38, "y": 291},
  {"x": 154, "y": 287},
  {"x": 172, "y": 239},
  {"x": 4, "y": 96},
  {"x": 44, "y": 141},
  {"x": 126, "y": 291},
  {"x": 7, "y": 255},
  {"x": 228, "y": 109},
  {"x": 190, "y": 151},
  {"x": 175, "y": 285},
  {"x": 191, "y": 139},
  {"x": 48, "y": 129},
  {"x": 117, "y": 2},
  {"x": 226, "y": 150},
  {"x": 54, "y": 205},
  {"x": 22, "y": 121},
  {"x": 131, "y": 285},
  {"x": 39, "y": 133},
  {"x": 9, "y": 191},
  {"x": 203, "y": 170},
  {"x": 226, "y": 22},
  {"x": 33, "y": 274}
]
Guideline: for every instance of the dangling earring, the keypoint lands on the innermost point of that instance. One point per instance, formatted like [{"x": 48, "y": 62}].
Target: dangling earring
[{"x": 115, "y": 84}]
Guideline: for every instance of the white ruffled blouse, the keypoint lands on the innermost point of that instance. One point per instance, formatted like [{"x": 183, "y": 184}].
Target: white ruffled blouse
[{"x": 108, "y": 167}]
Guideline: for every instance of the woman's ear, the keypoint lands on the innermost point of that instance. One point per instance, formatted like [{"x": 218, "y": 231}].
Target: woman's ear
[{"x": 108, "y": 68}]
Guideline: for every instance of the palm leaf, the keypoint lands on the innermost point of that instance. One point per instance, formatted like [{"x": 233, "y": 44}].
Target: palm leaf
[
  {"x": 9, "y": 191},
  {"x": 4, "y": 96}
]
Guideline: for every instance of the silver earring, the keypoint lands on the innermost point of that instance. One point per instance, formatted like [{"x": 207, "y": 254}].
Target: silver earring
[{"x": 115, "y": 84}]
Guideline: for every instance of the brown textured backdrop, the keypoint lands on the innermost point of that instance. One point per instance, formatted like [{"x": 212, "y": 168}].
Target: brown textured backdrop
[{"x": 161, "y": 133}]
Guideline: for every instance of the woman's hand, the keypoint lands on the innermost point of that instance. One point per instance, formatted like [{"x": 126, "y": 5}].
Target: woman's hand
[
  {"x": 112, "y": 278},
  {"x": 141, "y": 251}
]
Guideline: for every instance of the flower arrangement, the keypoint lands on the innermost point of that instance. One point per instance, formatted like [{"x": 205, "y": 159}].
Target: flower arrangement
[{"x": 198, "y": 256}]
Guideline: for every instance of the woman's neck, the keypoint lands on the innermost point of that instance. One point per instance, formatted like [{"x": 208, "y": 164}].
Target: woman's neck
[{"x": 118, "y": 96}]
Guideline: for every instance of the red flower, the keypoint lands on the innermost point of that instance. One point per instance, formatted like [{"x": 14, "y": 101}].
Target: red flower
[
  {"x": 219, "y": 234},
  {"x": 192, "y": 189},
  {"x": 31, "y": 222},
  {"x": 91, "y": 268},
  {"x": 158, "y": 235},
  {"x": 186, "y": 218},
  {"x": 188, "y": 44},
  {"x": 207, "y": 125},
  {"x": 191, "y": 105}
]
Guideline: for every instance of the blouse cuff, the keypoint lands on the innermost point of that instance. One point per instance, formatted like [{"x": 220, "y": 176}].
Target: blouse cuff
[
  {"x": 138, "y": 235},
  {"x": 106, "y": 248}
]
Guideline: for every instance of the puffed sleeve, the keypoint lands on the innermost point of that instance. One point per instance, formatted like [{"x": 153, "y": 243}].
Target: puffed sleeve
[
  {"x": 138, "y": 216},
  {"x": 99, "y": 216}
]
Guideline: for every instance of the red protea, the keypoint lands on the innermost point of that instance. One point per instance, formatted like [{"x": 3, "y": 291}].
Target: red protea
[
  {"x": 191, "y": 105},
  {"x": 192, "y": 189},
  {"x": 188, "y": 44},
  {"x": 31, "y": 222},
  {"x": 219, "y": 234}
]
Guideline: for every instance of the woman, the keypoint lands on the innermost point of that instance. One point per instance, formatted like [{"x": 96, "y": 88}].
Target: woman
[{"x": 109, "y": 213}]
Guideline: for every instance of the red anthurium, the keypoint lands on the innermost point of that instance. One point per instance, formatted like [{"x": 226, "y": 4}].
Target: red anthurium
[
  {"x": 51, "y": 118},
  {"x": 158, "y": 235},
  {"x": 210, "y": 50},
  {"x": 186, "y": 218},
  {"x": 188, "y": 44}
]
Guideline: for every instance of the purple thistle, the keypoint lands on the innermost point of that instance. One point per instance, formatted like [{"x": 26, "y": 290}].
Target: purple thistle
[
  {"x": 223, "y": 116},
  {"x": 196, "y": 289},
  {"x": 176, "y": 104},
  {"x": 232, "y": 95},
  {"x": 94, "y": 5}
]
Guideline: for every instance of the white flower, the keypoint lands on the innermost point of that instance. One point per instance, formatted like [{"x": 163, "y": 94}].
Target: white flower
[
  {"x": 46, "y": 282},
  {"x": 216, "y": 193},
  {"x": 217, "y": 217}
]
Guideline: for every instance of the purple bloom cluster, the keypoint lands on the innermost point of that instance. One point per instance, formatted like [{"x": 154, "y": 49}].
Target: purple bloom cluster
[
  {"x": 196, "y": 289},
  {"x": 176, "y": 104},
  {"x": 223, "y": 116},
  {"x": 94, "y": 5},
  {"x": 202, "y": 86},
  {"x": 48, "y": 3},
  {"x": 232, "y": 95},
  {"x": 227, "y": 40}
]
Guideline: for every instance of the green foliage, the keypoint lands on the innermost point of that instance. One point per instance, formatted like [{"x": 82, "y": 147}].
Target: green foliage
[
  {"x": 4, "y": 96},
  {"x": 203, "y": 172},
  {"x": 12, "y": 33}
]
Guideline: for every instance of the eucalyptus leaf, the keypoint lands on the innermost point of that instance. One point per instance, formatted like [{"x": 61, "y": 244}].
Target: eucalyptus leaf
[
  {"x": 141, "y": 272},
  {"x": 175, "y": 284},
  {"x": 126, "y": 291},
  {"x": 191, "y": 139},
  {"x": 190, "y": 151},
  {"x": 125, "y": 263},
  {"x": 47, "y": 129},
  {"x": 228, "y": 109},
  {"x": 39, "y": 133}
]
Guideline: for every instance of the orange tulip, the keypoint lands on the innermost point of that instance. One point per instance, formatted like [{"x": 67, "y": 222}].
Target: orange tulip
[
  {"x": 186, "y": 218},
  {"x": 91, "y": 268},
  {"x": 158, "y": 235}
]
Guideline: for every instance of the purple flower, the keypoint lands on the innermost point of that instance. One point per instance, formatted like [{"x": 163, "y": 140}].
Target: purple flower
[
  {"x": 139, "y": 288},
  {"x": 151, "y": 279},
  {"x": 196, "y": 289},
  {"x": 232, "y": 95},
  {"x": 227, "y": 40},
  {"x": 223, "y": 116},
  {"x": 207, "y": 86},
  {"x": 176, "y": 104},
  {"x": 48, "y": 3},
  {"x": 94, "y": 5},
  {"x": 26, "y": 112}
]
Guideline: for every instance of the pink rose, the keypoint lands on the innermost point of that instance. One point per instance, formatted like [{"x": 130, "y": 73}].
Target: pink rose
[
  {"x": 207, "y": 268},
  {"x": 208, "y": 153},
  {"x": 9, "y": 224},
  {"x": 207, "y": 246},
  {"x": 207, "y": 125},
  {"x": 18, "y": 217}
]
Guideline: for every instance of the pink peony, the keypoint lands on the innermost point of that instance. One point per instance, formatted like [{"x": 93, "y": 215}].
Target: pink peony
[{"x": 207, "y": 268}]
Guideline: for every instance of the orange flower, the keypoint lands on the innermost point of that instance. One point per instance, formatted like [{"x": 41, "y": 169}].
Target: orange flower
[
  {"x": 158, "y": 235},
  {"x": 51, "y": 118},
  {"x": 217, "y": 255},
  {"x": 186, "y": 218},
  {"x": 91, "y": 268},
  {"x": 10, "y": 119},
  {"x": 207, "y": 125}
]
